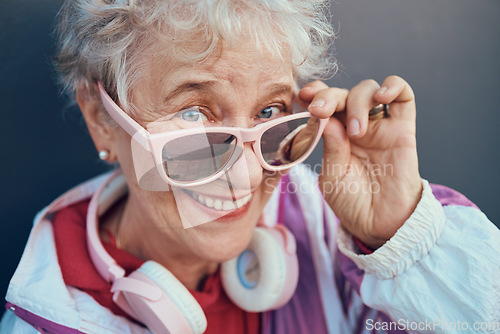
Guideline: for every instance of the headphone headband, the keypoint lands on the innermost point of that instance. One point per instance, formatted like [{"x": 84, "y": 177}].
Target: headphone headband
[{"x": 112, "y": 189}]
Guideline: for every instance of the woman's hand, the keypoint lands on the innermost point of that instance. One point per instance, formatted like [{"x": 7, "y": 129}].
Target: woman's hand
[{"x": 370, "y": 172}]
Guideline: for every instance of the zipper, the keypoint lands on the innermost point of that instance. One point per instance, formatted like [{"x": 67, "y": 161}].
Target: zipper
[{"x": 42, "y": 325}]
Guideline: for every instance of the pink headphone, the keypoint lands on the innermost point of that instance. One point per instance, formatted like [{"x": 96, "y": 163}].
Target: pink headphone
[{"x": 263, "y": 277}]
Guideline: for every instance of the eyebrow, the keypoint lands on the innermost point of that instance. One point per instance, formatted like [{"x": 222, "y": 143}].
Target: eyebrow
[
  {"x": 204, "y": 86},
  {"x": 279, "y": 88},
  {"x": 188, "y": 87}
]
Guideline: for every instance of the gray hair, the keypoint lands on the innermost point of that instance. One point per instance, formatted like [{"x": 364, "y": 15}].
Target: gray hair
[{"x": 107, "y": 40}]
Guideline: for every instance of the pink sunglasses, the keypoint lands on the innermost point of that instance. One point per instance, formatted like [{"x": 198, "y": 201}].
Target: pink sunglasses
[{"x": 192, "y": 157}]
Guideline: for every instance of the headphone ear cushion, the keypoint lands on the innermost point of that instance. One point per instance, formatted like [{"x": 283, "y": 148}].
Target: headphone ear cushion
[
  {"x": 264, "y": 276},
  {"x": 177, "y": 296}
]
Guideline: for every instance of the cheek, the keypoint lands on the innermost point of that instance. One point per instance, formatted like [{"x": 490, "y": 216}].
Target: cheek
[
  {"x": 124, "y": 154},
  {"x": 158, "y": 205},
  {"x": 157, "y": 209},
  {"x": 138, "y": 164}
]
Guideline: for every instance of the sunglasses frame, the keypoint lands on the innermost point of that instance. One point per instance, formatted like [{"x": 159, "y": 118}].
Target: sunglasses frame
[{"x": 154, "y": 143}]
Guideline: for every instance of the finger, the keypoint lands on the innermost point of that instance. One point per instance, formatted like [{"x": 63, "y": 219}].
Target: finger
[
  {"x": 394, "y": 89},
  {"x": 336, "y": 149},
  {"x": 306, "y": 93},
  {"x": 327, "y": 101},
  {"x": 397, "y": 91},
  {"x": 359, "y": 102}
]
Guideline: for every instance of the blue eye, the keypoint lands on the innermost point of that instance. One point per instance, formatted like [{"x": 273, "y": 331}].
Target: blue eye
[
  {"x": 269, "y": 112},
  {"x": 192, "y": 115}
]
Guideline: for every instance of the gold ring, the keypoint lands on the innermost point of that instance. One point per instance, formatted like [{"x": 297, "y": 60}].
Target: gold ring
[{"x": 378, "y": 112}]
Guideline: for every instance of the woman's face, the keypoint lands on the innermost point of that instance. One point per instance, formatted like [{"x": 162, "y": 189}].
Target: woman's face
[{"x": 241, "y": 87}]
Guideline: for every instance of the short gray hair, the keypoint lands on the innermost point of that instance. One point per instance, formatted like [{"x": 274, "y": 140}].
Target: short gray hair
[{"x": 106, "y": 40}]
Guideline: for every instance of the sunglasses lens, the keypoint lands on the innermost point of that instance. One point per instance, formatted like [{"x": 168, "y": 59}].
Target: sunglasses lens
[
  {"x": 290, "y": 141},
  {"x": 196, "y": 157}
]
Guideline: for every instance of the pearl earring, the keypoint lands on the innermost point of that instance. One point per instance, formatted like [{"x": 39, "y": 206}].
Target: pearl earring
[{"x": 103, "y": 154}]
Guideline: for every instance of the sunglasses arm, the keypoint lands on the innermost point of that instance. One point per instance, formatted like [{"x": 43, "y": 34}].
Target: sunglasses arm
[{"x": 137, "y": 132}]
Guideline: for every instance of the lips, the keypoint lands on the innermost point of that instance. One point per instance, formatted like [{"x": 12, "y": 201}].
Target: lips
[{"x": 218, "y": 203}]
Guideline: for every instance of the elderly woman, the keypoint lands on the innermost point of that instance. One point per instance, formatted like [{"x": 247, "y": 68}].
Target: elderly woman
[{"x": 210, "y": 223}]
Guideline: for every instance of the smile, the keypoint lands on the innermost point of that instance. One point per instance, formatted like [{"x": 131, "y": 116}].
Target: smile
[{"x": 219, "y": 204}]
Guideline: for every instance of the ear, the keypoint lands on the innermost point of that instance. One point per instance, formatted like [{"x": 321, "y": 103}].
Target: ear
[{"x": 102, "y": 132}]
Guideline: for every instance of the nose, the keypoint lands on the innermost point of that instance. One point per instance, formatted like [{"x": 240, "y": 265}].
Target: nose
[{"x": 246, "y": 172}]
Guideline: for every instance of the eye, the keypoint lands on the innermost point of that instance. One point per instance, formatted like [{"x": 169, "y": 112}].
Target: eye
[
  {"x": 192, "y": 115},
  {"x": 269, "y": 112}
]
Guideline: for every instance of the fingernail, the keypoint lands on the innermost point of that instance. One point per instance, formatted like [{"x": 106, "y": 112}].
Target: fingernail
[
  {"x": 317, "y": 103},
  {"x": 353, "y": 128},
  {"x": 382, "y": 90}
]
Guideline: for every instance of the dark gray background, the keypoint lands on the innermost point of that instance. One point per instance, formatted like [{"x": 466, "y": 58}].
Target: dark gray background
[{"x": 448, "y": 50}]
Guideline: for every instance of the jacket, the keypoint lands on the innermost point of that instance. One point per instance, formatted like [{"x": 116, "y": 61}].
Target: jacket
[{"x": 440, "y": 272}]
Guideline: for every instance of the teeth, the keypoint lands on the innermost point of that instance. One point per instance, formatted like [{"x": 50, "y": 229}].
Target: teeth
[
  {"x": 243, "y": 201},
  {"x": 219, "y": 204},
  {"x": 228, "y": 205},
  {"x": 208, "y": 202}
]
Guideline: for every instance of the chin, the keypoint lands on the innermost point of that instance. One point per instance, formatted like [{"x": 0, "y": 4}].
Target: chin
[
  {"x": 221, "y": 248},
  {"x": 221, "y": 241}
]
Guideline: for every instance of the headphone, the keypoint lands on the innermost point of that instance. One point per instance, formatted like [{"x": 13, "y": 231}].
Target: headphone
[{"x": 263, "y": 277}]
